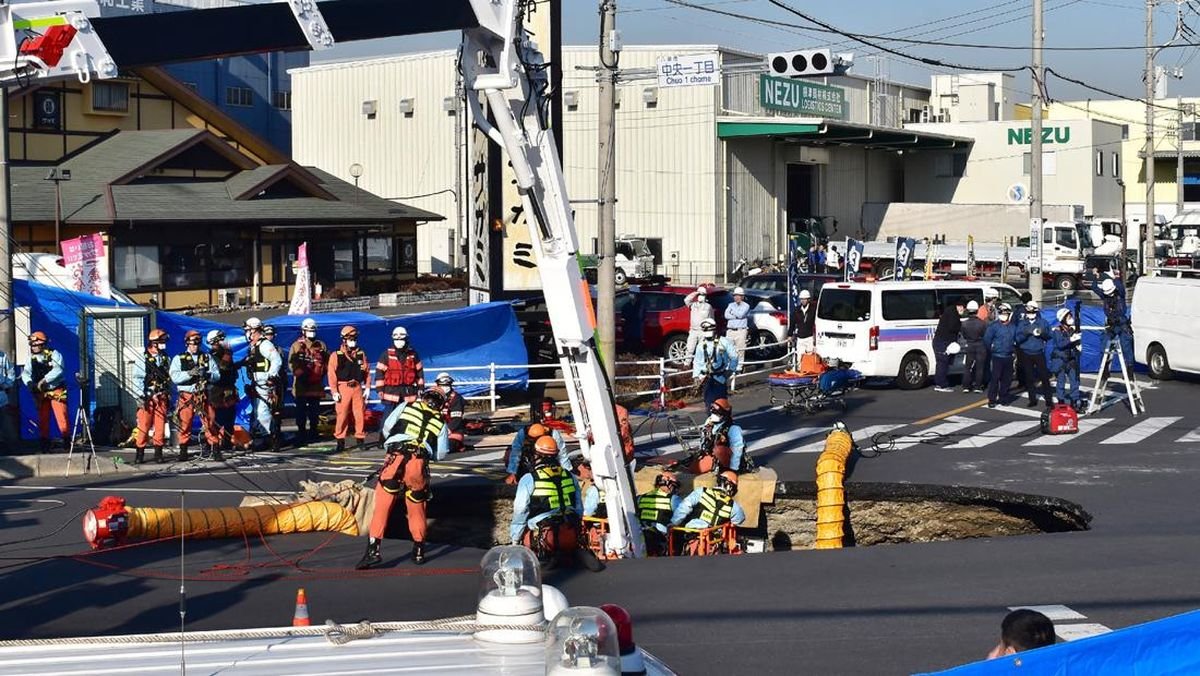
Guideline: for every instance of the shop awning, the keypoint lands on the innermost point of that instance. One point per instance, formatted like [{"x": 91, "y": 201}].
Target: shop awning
[{"x": 817, "y": 131}]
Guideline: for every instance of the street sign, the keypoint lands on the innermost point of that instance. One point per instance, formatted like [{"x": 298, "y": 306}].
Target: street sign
[
  {"x": 689, "y": 70},
  {"x": 801, "y": 97},
  {"x": 1035, "y": 246}
]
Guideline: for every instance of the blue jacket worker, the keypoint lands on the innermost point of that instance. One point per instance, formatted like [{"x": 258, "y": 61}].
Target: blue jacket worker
[
  {"x": 549, "y": 492},
  {"x": 715, "y": 361},
  {"x": 1066, "y": 343},
  {"x": 710, "y": 506},
  {"x": 1000, "y": 339},
  {"x": 1111, "y": 291},
  {"x": 1033, "y": 336}
]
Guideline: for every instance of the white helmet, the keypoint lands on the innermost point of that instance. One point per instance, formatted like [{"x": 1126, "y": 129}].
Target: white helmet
[
  {"x": 444, "y": 378},
  {"x": 252, "y": 323},
  {"x": 953, "y": 348},
  {"x": 708, "y": 325},
  {"x": 701, "y": 291},
  {"x": 991, "y": 293},
  {"x": 805, "y": 294},
  {"x": 215, "y": 337},
  {"x": 739, "y": 291},
  {"x": 1108, "y": 286},
  {"x": 1062, "y": 314},
  {"x": 309, "y": 324},
  {"x": 1031, "y": 307},
  {"x": 973, "y": 306},
  {"x": 399, "y": 333}
]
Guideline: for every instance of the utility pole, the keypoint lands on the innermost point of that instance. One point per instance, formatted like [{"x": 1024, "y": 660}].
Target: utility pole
[
  {"x": 1146, "y": 232},
  {"x": 606, "y": 224},
  {"x": 1179, "y": 156},
  {"x": 1035, "y": 158},
  {"x": 8, "y": 321}
]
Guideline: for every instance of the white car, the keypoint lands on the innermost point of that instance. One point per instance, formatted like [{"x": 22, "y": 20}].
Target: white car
[{"x": 1164, "y": 325}]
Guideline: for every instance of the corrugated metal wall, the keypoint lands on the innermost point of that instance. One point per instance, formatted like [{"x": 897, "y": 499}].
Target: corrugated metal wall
[
  {"x": 752, "y": 210},
  {"x": 856, "y": 175},
  {"x": 402, "y": 156}
]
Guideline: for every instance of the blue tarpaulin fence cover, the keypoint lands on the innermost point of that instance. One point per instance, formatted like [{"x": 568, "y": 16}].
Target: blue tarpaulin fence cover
[
  {"x": 1167, "y": 646},
  {"x": 474, "y": 336},
  {"x": 1094, "y": 341}
]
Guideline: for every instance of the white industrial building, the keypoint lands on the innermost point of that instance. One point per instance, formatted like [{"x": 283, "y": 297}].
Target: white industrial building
[{"x": 708, "y": 173}]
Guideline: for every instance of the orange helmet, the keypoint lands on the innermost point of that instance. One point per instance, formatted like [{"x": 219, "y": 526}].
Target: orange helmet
[
  {"x": 37, "y": 337},
  {"x": 545, "y": 445},
  {"x": 190, "y": 335},
  {"x": 349, "y": 332},
  {"x": 721, "y": 406},
  {"x": 727, "y": 481},
  {"x": 157, "y": 335},
  {"x": 667, "y": 480},
  {"x": 535, "y": 430}
]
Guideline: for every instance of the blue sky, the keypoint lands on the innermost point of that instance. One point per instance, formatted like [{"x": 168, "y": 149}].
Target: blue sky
[{"x": 1069, "y": 23}]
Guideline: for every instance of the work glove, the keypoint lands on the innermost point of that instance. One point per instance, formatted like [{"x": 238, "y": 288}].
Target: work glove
[
  {"x": 337, "y": 397},
  {"x": 43, "y": 386},
  {"x": 1037, "y": 332},
  {"x": 1076, "y": 338},
  {"x": 196, "y": 373},
  {"x": 511, "y": 480}
]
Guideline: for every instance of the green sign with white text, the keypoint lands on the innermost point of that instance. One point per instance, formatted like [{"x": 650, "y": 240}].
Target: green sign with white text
[{"x": 801, "y": 97}]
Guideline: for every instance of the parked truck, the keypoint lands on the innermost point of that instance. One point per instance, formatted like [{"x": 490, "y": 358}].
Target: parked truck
[
  {"x": 634, "y": 260},
  {"x": 1064, "y": 246}
]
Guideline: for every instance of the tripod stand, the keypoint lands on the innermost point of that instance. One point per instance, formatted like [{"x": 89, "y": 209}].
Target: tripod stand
[
  {"x": 82, "y": 425},
  {"x": 1136, "y": 404}
]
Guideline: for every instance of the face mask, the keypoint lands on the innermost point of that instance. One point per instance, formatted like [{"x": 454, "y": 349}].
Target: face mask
[
  {"x": 249, "y": 337},
  {"x": 713, "y": 419},
  {"x": 399, "y": 343},
  {"x": 1031, "y": 316},
  {"x": 310, "y": 334},
  {"x": 351, "y": 343},
  {"x": 1005, "y": 318},
  {"x": 710, "y": 334}
]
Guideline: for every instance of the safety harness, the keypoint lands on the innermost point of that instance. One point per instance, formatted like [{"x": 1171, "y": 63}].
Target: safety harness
[
  {"x": 654, "y": 507},
  {"x": 157, "y": 374},
  {"x": 715, "y": 508},
  {"x": 553, "y": 489}
]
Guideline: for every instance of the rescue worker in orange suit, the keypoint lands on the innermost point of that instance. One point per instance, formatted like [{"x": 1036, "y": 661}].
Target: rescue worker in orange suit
[
  {"x": 308, "y": 358},
  {"x": 350, "y": 382},
  {"x": 222, "y": 393},
  {"x": 152, "y": 386},
  {"x": 547, "y": 508},
  {"x": 710, "y": 506},
  {"x": 399, "y": 373},
  {"x": 415, "y": 433},
  {"x": 452, "y": 410},
  {"x": 655, "y": 510},
  {"x": 192, "y": 371},
  {"x": 44, "y": 379}
]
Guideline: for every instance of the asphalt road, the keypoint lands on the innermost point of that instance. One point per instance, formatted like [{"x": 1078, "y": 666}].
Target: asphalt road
[{"x": 869, "y": 610}]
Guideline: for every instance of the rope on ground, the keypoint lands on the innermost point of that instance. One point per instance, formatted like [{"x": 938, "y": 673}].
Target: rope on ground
[
  {"x": 335, "y": 633},
  {"x": 885, "y": 442}
]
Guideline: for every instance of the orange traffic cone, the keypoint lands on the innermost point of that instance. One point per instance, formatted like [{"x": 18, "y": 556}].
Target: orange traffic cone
[{"x": 300, "y": 618}]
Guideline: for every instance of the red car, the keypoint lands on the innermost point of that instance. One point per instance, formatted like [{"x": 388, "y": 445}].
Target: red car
[{"x": 656, "y": 319}]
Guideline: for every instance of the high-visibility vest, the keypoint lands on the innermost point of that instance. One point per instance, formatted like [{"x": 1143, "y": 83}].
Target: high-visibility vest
[
  {"x": 655, "y": 507},
  {"x": 420, "y": 422},
  {"x": 715, "y": 508},
  {"x": 553, "y": 490}
]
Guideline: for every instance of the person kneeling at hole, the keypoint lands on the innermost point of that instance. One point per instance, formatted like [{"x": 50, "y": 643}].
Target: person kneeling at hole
[
  {"x": 710, "y": 507},
  {"x": 655, "y": 510},
  {"x": 547, "y": 510},
  {"x": 414, "y": 433}
]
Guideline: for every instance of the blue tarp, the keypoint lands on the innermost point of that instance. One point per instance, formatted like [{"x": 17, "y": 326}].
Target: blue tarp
[
  {"x": 1167, "y": 646},
  {"x": 1094, "y": 341},
  {"x": 472, "y": 336}
]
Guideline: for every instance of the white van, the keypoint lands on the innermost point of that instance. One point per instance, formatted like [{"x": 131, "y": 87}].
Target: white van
[
  {"x": 885, "y": 329},
  {"x": 1166, "y": 332}
]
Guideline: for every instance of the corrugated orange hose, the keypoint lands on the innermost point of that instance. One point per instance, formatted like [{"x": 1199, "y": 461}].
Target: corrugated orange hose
[
  {"x": 831, "y": 496},
  {"x": 152, "y": 523}
]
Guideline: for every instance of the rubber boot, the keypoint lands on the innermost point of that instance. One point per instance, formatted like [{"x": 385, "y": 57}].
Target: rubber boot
[
  {"x": 372, "y": 557},
  {"x": 183, "y": 452},
  {"x": 217, "y": 455},
  {"x": 140, "y": 456},
  {"x": 418, "y": 553},
  {"x": 158, "y": 455},
  {"x": 275, "y": 444},
  {"x": 341, "y": 445},
  {"x": 44, "y": 446}
]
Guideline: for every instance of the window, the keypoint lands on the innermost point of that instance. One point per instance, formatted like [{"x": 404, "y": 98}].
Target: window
[
  {"x": 910, "y": 304},
  {"x": 408, "y": 254},
  {"x": 1049, "y": 163},
  {"x": 185, "y": 266},
  {"x": 137, "y": 267},
  {"x": 766, "y": 283},
  {"x": 1065, "y": 237},
  {"x": 1048, "y": 236},
  {"x": 110, "y": 97},
  {"x": 1009, "y": 296},
  {"x": 1116, "y": 165},
  {"x": 950, "y": 165},
  {"x": 282, "y": 100},
  {"x": 948, "y": 296},
  {"x": 343, "y": 261},
  {"x": 230, "y": 262},
  {"x": 661, "y": 302},
  {"x": 239, "y": 96},
  {"x": 914, "y": 116},
  {"x": 844, "y": 305},
  {"x": 377, "y": 254},
  {"x": 1099, "y": 162},
  {"x": 1124, "y": 132}
]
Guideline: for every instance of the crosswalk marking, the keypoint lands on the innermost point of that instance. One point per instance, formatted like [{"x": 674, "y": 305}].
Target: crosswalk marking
[
  {"x": 1142, "y": 430},
  {"x": 953, "y": 425},
  {"x": 1189, "y": 438},
  {"x": 1032, "y": 412},
  {"x": 862, "y": 436},
  {"x": 1055, "y": 612},
  {"x": 1006, "y": 431},
  {"x": 1085, "y": 425},
  {"x": 784, "y": 437},
  {"x": 1067, "y": 632}
]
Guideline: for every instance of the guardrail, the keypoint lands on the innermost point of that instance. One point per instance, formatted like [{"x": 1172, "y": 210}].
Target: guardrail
[{"x": 665, "y": 371}]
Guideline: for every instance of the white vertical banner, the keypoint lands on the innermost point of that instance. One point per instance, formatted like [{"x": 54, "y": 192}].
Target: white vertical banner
[
  {"x": 302, "y": 296},
  {"x": 87, "y": 260}
]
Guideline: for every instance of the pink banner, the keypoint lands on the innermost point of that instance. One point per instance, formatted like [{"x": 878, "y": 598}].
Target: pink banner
[
  {"x": 83, "y": 249},
  {"x": 302, "y": 296},
  {"x": 302, "y": 256},
  {"x": 87, "y": 261}
]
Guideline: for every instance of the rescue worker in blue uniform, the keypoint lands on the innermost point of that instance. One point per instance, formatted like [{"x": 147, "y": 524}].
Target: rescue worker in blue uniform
[
  {"x": 263, "y": 364},
  {"x": 714, "y": 362},
  {"x": 547, "y": 507},
  {"x": 722, "y": 444},
  {"x": 520, "y": 452},
  {"x": 1116, "y": 312},
  {"x": 709, "y": 507},
  {"x": 1000, "y": 339},
  {"x": 1064, "y": 358},
  {"x": 1033, "y": 335},
  {"x": 655, "y": 510}
]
